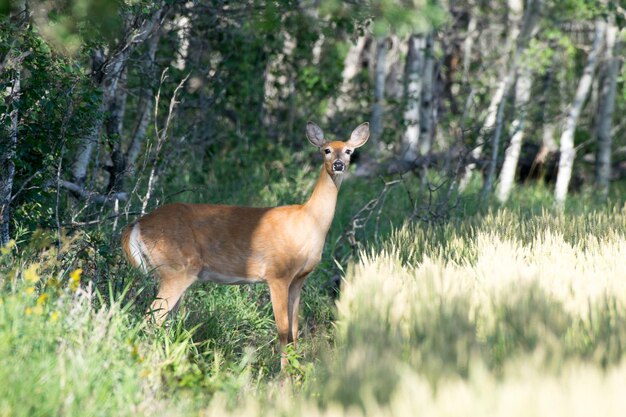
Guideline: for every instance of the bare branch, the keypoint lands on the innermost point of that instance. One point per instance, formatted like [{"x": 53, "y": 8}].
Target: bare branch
[
  {"x": 90, "y": 195},
  {"x": 161, "y": 134}
]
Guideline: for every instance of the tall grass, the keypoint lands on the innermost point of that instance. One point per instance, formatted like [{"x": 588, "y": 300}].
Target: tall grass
[{"x": 507, "y": 312}]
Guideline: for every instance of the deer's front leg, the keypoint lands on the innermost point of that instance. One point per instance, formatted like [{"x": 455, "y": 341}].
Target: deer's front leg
[
  {"x": 279, "y": 294},
  {"x": 294, "y": 305}
]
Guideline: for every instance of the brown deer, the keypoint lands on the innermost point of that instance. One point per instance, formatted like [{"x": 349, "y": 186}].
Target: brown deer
[{"x": 183, "y": 243}]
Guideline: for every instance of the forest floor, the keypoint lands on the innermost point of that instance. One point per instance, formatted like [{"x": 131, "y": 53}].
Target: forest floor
[{"x": 514, "y": 310}]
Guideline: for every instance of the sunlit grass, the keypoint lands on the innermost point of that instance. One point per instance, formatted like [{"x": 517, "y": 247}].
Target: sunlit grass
[{"x": 501, "y": 312}]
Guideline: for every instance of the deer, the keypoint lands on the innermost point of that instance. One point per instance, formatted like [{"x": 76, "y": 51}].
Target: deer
[{"x": 183, "y": 243}]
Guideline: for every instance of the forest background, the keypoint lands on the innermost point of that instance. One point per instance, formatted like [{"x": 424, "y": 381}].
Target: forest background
[{"x": 480, "y": 234}]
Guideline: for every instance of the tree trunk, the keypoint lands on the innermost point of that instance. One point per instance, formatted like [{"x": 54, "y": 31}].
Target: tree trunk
[
  {"x": 114, "y": 129},
  {"x": 413, "y": 94},
  {"x": 376, "y": 122},
  {"x": 490, "y": 120},
  {"x": 7, "y": 164},
  {"x": 106, "y": 77},
  {"x": 568, "y": 153},
  {"x": 278, "y": 84},
  {"x": 146, "y": 104},
  {"x": 522, "y": 99},
  {"x": 606, "y": 104},
  {"x": 8, "y": 145},
  {"x": 518, "y": 36},
  {"x": 351, "y": 67},
  {"x": 426, "y": 100},
  {"x": 468, "y": 44}
]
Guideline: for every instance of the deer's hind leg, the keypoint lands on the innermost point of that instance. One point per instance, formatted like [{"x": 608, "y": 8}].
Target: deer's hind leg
[{"x": 172, "y": 286}]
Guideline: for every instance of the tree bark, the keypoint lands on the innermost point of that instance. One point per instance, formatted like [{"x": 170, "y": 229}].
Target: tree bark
[
  {"x": 426, "y": 100},
  {"x": 522, "y": 99},
  {"x": 278, "y": 84},
  {"x": 145, "y": 105},
  {"x": 106, "y": 77},
  {"x": 7, "y": 163},
  {"x": 376, "y": 122},
  {"x": 606, "y": 105},
  {"x": 413, "y": 94},
  {"x": 8, "y": 145},
  {"x": 114, "y": 129},
  {"x": 568, "y": 152},
  {"x": 351, "y": 67},
  {"x": 468, "y": 44},
  {"x": 522, "y": 23},
  {"x": 490, "y": 120}
]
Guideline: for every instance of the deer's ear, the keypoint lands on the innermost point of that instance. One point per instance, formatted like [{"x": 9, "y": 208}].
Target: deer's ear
[
  {"x": 315, "y": 134},
  {"x": 360, "y": 135}
]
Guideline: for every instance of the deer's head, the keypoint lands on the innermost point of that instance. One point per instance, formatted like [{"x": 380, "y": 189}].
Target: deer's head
[{"x": 337, "y": 153}]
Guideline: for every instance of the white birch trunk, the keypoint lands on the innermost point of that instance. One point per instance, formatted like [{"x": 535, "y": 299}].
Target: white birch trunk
[
  {"x": 145, "y": 106},
  {"x": 8, "y": 144},
  {"x": 110, "y": 78},
  {"x": 606, "y": 105},
  {"x": 468, "y": 44},
  {"x": 183, "y": 28},
  {"x": 7, "y": 164},
  {"x": 376, "y": 121},
  {"x": 278, "y": 80},
  {"x": 107, "y": 78},
  {"x": 413, "y": 77},
  {"x": 568, "y": 152},
  {"x": 426, "y": 100},
  {"x": 509, "y": 167},
  {"x": 490, "y": 120},
  {"x": 351, "y": 67}
]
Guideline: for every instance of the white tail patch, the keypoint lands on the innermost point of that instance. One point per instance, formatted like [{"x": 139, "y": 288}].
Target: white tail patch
[{"x": 137, "y": 248}]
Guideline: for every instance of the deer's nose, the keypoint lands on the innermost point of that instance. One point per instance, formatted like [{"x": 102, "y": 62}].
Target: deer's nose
[{"x": 338, "y": 166}]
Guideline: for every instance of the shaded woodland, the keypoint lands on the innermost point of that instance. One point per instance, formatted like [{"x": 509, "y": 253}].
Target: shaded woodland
[
  {"x": 477, "y": 247},
  {"x": 113, "y": 107}
]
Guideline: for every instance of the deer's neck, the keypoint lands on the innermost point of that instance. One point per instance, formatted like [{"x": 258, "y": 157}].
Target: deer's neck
[{"x": 321, "y": 205}]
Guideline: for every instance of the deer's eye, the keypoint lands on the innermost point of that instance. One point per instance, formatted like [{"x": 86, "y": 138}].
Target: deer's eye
[
  {"x": 326, "y": 151},
  {"x": 348, "y": 151}
]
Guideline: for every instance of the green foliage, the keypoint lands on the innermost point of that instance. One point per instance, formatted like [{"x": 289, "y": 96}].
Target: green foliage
[
  {"x": 389, "y": 16},
  {"x": 56, "y": 105},
  {"x": 428, "y": 306},
  {"x": 472, "y": 302}
]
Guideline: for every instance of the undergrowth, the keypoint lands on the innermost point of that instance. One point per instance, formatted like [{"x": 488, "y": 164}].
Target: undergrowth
[{"x": 490, "y": 306}]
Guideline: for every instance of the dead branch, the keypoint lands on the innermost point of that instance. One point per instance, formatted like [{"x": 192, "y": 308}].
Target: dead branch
[
  {"x": 160, "y": 134},
  {"x": 92, "y": 196}
]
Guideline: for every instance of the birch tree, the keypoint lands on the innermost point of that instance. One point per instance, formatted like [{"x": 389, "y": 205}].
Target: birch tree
[
  {"x": 426, "y": 100},
  {"x": 606, "y": 105},
  {"x": 567, "y": 150},
  {"x": 107, "y": 72},
  {"x": 523, "y": 86},
  {"x": 11, "y": 66},
  {"x": 515, "y": 8},
  {"x": 146, "y": 104},
  {"x": 413, "y": 94},
  {"x": 509, "y": 167},
  {"x": 376, "y": 121}
]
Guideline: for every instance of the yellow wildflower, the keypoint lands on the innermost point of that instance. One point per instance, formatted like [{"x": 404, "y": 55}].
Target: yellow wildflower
[
  {"x": 31, "y": 274},
  {"x": 5, "y": 250},
  {"x": 30, "y": 290},
  {"x": 28, "y": 311},
  {"x": 54, "y": 316},
  {"x": 75, "y": 279},
  {"x": 42, "y": 299}
]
